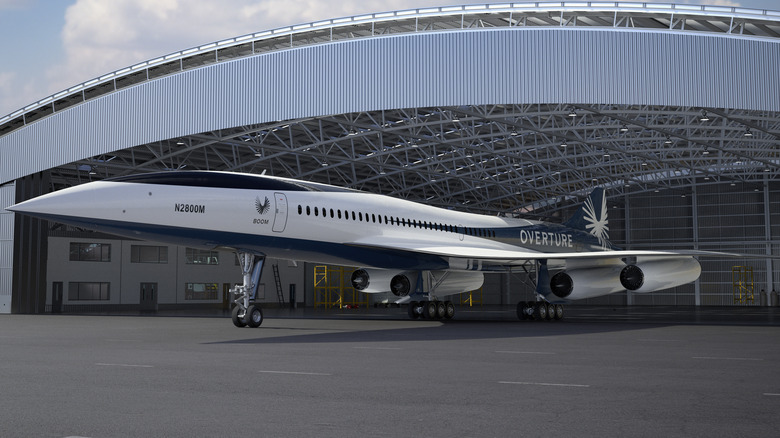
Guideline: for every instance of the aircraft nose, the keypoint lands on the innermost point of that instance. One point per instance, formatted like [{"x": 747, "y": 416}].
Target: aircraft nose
[{"x": 61, "y": 203}]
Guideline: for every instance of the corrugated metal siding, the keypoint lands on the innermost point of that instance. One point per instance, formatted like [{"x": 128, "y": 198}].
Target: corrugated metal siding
[{"x": 515, "y": 65}]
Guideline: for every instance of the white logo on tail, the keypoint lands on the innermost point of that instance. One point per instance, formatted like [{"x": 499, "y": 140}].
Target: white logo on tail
[{"x": 597, "y": 226}]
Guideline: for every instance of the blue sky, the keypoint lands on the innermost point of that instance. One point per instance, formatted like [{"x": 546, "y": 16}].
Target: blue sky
[{"x": 50, "y": 45}]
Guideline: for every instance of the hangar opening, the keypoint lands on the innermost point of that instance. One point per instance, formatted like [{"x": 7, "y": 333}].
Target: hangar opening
[{"x": 440, "y": 106}]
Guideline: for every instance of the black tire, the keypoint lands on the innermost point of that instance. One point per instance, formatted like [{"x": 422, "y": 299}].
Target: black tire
[
  {"x": 550, "y": 312},
  {"x": 413, "y": 310},
  {"x": 253, "y": 317},
  {"x": 441, "y": 310},
  {"x": 449, "y": 312},
  {"x": 521, "y": 311},
  {"x": 237, "y": 320},
  {"x": 530, "y": 305},
  {"x": 540, "y": 311},
  {"x": 558, "y": 312},
  {"x": 429, "y": 309}
]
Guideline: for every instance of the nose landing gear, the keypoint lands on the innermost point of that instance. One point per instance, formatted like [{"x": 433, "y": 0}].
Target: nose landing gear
[{"x": 245, "y": 313}]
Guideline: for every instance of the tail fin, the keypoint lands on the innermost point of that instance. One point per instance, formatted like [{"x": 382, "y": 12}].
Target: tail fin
[{"x": 592, "y": 217}]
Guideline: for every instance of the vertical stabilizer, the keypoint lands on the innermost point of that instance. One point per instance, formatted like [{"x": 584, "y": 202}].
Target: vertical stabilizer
[{"x": 592, "y": 217}]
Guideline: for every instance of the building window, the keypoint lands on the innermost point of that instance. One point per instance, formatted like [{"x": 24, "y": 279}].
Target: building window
[
  {"x": 201, "y": 257},
  {"x": 90, "y": 252},
  {"x": 200, "y": 291},
  {"x": 148, "y": 254},
  {"x": 83, "y": 291}
]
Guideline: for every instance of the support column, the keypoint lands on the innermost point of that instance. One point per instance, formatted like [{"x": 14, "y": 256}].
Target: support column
[
  {"x": 30, "y": 253},
  {"x": 695, "y": 218},
  {"x": 627, "y": 222},
  {"x": 770, "y": 281},
  {"x": 7, "y": 198}
]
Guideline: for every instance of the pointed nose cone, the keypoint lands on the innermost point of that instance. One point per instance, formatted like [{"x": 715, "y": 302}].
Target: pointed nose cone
[{"x": 60, "y": 204}]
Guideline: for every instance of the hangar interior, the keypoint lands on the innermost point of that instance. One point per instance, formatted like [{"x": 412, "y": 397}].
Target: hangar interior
[{"x": 515, "y": 109}]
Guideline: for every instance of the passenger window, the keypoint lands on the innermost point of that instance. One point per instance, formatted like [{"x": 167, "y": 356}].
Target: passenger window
[
  {"x": 300, "y": 210},
  {"x": 308, "y": 211},
  {"x": 316, "y": 211}
]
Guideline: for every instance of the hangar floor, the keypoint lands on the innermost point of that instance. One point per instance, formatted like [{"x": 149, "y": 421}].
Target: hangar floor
[{"x": 602, "y": 372}]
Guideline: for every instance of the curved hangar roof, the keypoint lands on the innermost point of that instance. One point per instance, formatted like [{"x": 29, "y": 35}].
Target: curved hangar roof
[{"x": 501, "y": 108}]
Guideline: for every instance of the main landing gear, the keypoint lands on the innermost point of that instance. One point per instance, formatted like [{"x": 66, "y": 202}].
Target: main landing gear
[
  {"x": 245, "y": 313},
  {"x": 539, "y": 311},
  {"x": 431, "y": 309}
]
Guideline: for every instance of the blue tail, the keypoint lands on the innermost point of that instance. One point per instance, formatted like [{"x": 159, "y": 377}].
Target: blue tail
[{"x": 592, "y": 217}]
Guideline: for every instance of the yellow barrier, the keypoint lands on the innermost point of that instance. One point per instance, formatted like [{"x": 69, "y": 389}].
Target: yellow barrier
[
  {"x": 742, "y": 284},
  {"x": 332, "y": 288}
]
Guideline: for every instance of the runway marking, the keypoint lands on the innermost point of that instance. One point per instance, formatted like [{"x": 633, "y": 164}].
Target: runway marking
[
  {"x": 771, "y": 394},
  {"x": 754, "y": 359},
  {"x": 126, "y": 365},
  {"x": 377, "y": 348},
  {"x": 660, "y": 340},
  {"x": 523, "y": 352},
  {"x": 572, "y": 385},
  {"x": 297, "y": 373}
]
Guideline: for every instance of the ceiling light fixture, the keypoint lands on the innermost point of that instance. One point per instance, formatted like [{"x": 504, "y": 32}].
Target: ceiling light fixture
[{"x": 704, "y": 117}]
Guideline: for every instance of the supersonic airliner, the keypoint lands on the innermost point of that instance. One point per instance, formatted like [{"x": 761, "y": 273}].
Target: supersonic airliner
[{"x": 418, "y": 252}]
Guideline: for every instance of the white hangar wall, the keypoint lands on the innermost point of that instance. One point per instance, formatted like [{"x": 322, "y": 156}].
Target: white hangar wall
[{"x": 512, "y": 65}]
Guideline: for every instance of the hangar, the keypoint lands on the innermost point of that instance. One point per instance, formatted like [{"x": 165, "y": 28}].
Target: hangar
[{"x": 504, "y": 109}]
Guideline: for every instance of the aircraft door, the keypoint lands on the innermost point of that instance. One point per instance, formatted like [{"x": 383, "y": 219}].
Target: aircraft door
[{"x": 280, "y": 219}]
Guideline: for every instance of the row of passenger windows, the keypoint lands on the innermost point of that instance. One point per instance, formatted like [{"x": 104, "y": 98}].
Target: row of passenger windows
[{"x": 390, "y": 220}]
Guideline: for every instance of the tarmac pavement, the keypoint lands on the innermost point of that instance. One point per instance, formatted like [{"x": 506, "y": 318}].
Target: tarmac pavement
[{"x": 670, "y": 372}]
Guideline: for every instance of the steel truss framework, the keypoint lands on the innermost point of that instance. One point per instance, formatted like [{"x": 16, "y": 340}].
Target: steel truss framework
[{"x": 529, "y": 160}]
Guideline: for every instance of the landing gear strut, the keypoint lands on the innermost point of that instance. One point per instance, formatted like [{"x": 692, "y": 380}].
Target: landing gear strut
[
  {"x": 245, "y": 313},
  {"x": 431, "y": 309},
  {"x": 539, "y": 311}
]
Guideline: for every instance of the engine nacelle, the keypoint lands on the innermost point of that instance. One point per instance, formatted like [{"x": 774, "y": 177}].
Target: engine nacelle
[
  {"x": 583, "y": 283},
  {"x": 653, "y": 274},
  {"x": 402, "y": 283},
  {"x": 383, "y": 280}
]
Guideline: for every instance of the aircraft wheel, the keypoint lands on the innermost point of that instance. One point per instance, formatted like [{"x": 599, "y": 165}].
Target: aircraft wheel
[
  {"x": 237, "y": 320},
  {"x": 540, "y": 311},
  {"x": 429, "y": 309},
  {"x": 550, "y": 312},
  {"x": 521, "y": 311},
  {"x": 558, "y": 312},
  {"x": 441, "y": 310},
  {"x": 449, "y": 311},
  {"x": 254, "y": 316},
  {"x": 413, "y": 310}
]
